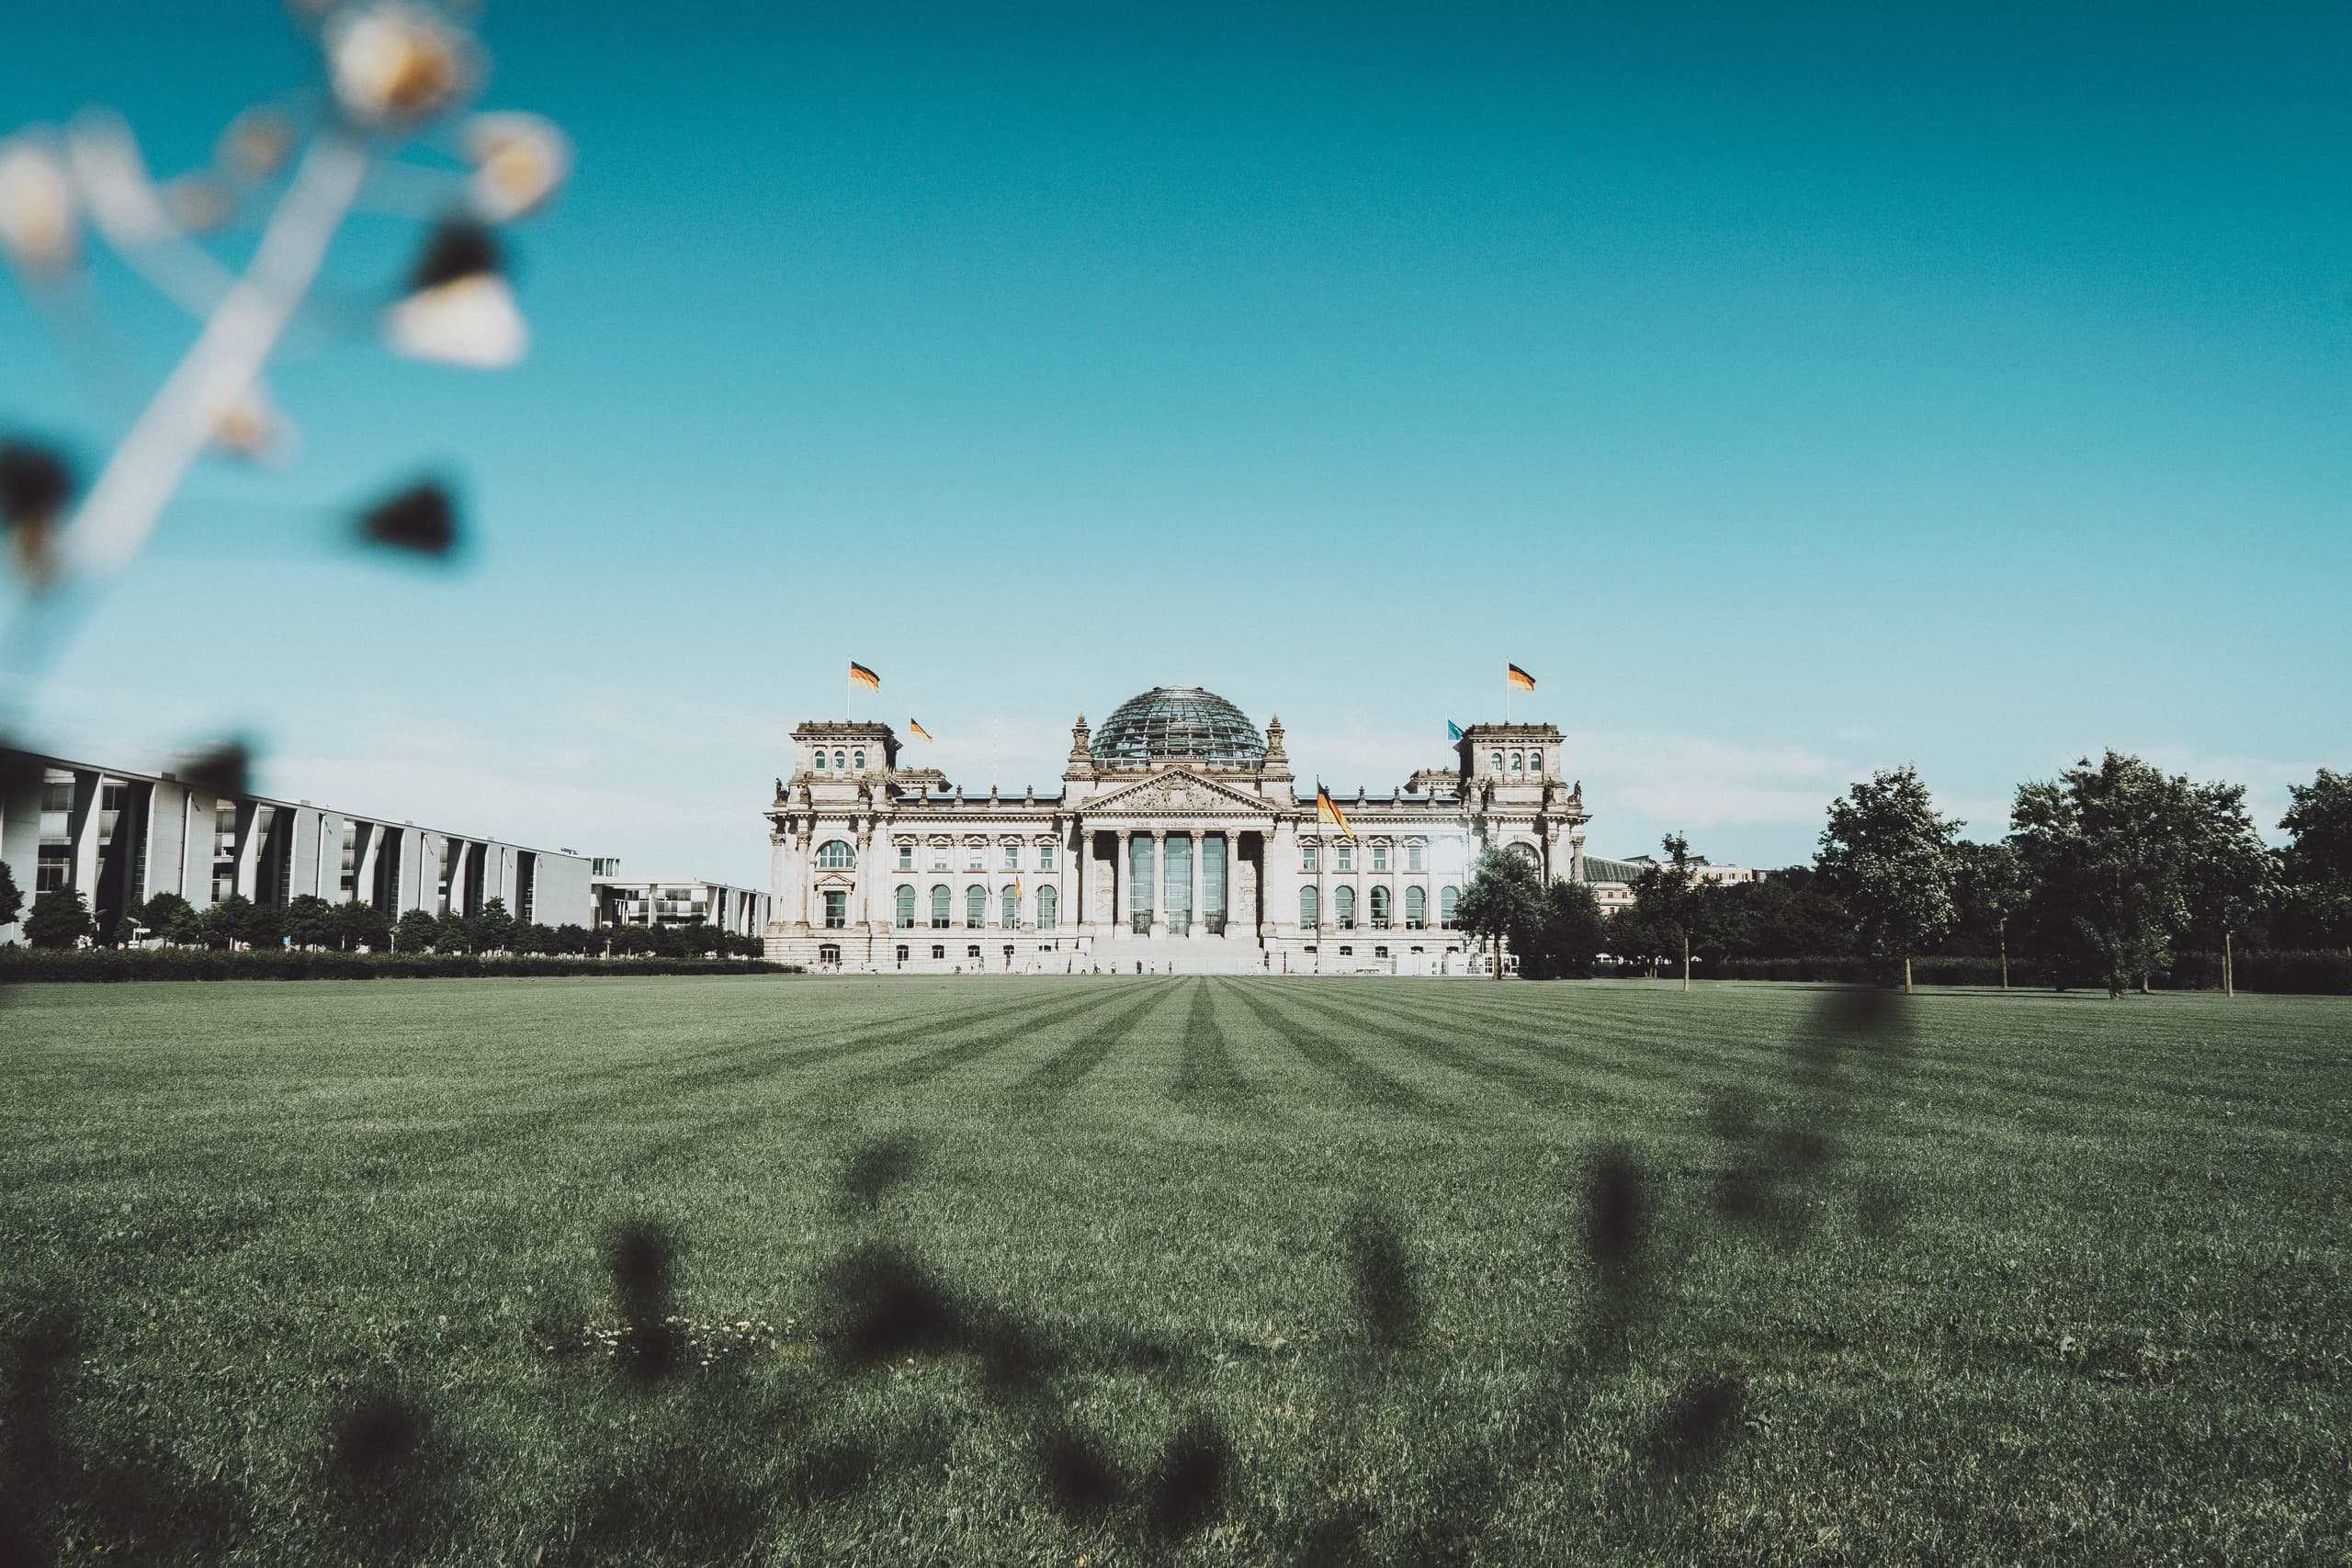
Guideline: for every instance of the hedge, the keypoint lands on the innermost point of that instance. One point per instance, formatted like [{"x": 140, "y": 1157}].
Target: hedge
[
  {"x": 18, "y": 965},
  {"x": 2305, "y": 974}
]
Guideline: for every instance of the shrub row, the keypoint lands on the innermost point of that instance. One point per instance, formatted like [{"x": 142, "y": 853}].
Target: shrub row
[
  {"x": 18, "y": 965},
  {"x": 2305, "y": 974}
]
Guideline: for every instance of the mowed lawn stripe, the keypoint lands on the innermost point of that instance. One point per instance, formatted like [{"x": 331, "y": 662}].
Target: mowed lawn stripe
[
  {"x": 734, "y": 1072},
  {"x": 932, "y": 1064},
  {"x": 1363, "y": 1080},
  {"x": 1046, "y": 1084},
  {"x": 1421, "y": 1036},
  {"x": 1208, "y": 1079}
]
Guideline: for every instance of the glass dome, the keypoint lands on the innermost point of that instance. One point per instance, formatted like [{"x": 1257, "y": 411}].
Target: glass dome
[{"x": 1177, "y": 724}]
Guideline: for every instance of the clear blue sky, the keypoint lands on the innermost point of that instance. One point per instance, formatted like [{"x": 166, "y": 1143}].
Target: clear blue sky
[{"x": 1791, "y": 393}]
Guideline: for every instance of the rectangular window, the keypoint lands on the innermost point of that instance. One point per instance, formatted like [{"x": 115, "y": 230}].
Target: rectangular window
[
  {"x": 1306, "y": 857},
  {"x": 972, "y": 861},
  {"x": 1379, "y": 857},
  {"x": 1347, "y": 857},
  {"x": 836, "y": 910},
  {"x": 938, "y": 858},
  {"x": 906, "y": 857},
  {"x": 1045, "y": 857},
  {"x": 1013, "y": 857},
  {"x": 1413, "y": 857}
]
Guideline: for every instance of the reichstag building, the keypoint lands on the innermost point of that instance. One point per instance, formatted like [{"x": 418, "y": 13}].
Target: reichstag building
[{"x": 1178, "y": 841}]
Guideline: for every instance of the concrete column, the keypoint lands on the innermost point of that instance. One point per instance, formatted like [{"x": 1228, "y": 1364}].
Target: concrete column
[
  {"x": 247, "y": 849},
  {"x": 1159, "y": 879},
  {"x": 20, "y": 839},
  {"x": 1122, "y": 892},
  {"x": 82, "y": 824},
  {"x": 1193, "y": 919}
]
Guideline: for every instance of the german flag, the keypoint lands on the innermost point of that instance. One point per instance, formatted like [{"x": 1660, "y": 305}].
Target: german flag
[
  {"x": 1328, "y": 810},
  {"x": 1518, "y": 679},
  {"x": 915, "y": 726},
  {"x": 860, "y": 675}
]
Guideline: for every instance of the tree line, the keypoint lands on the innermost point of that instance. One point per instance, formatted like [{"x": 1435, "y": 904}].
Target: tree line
[
  {"x": 62, "y": 919},
  {"x": 2108, "y": 875}
]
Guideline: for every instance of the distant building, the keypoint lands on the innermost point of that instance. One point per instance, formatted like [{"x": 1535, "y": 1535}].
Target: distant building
[
  {"x": 119, "y": 837},
  {"x": 742, "y": 910},
  {"x": 1612, "y": 880},
  {"x": 1178, "y": 840}
]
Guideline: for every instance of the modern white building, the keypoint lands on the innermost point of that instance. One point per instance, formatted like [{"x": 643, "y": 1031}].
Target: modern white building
[
  {"x": 743, "y": 910},
  {"x": 1178, "y": 840},
  {"x": 120, "y": 837}
]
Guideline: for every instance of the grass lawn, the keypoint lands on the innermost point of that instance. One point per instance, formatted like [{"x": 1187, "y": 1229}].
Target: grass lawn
[{"x": 1197, "y": 1270}]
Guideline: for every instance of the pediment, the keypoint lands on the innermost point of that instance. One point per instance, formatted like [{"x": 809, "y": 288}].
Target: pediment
[{"x": 1178, "y": 794}]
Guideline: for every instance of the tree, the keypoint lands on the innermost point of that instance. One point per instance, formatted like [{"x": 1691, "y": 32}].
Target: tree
[
  {"x": 309, "y": 920},
  {"x": 1666, "y": 899},
  {"x": 1502, "y": 897},
  {"x": 416, "y": 931},
  {"x": 60, "y": 918},
  {"x": 492, "y": 928},
  {"x": 1990, "y": 887},
  {"x": 534, "y": 938},
  {"x": 164, "y": 913},
  {"x": 185, "y": 926},
  {"x": 236, "y": 919},
  {"x": 2233, "y": 874},
  {"x": 1888, "y": 855},
  {"x": 360, "y": 924},
  {"x": 2109, "y": 850},
  {"x": 574, "y": 939},
  {"x": 1566, "y": 930},
  {"x": 12, "y": 897},
  {"x": 1789, "y": 914},
  {"x": 2317, "y": 865}
]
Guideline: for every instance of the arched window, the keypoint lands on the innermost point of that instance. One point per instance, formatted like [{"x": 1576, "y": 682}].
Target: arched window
[
  {"x": 1310, "y": 907},
  {"x": 976, "y": 906},
  {"x": 1448, "y": 906},
  {"x": 1045, "y": 902},
  {"x": 841, "y": 761},
  {"x": 906, "y": 907},
  {"x": 1380, "y": 908},
  {"x": 822, "y": 758},
  {"x": 1011, "y": 908},
  {"x": 1527, "y": 853},
  {"x": 939, "y": 910},
  {"x": 1495, "y": 760},
  {"x": 857, "y": 759},
  {"x": 1343, "y": 905},
  {"x": 1417, "y": 909},
  {"x": 834, "y": 854},
  {"x": 1515, "y": 760}
]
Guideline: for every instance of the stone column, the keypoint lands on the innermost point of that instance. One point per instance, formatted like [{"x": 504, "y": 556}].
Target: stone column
[
  {"x": 1195, "y": 919},
  {"x": 1159, "y": 879},
  {"x": 1123, "y": 892}
]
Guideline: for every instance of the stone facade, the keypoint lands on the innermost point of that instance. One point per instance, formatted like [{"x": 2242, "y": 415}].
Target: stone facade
[{"x": 1178, "y": 841}]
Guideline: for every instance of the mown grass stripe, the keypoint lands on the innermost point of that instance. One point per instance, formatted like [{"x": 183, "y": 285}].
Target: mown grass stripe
[
  {"x": 1363, "y": 1080},
  {"x": 1051, "y": 1080},
  {"x": 1209, "y": 1079},
  {"x": 932, "y": 1064}
]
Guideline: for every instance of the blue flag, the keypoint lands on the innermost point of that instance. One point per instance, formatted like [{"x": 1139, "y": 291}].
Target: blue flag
[{"x": 1453, "y": 730}]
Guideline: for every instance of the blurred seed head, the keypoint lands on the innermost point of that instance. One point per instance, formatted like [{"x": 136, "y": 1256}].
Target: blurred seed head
[
  {"x": 877, "y": 1167},
  {"x": 225, "y": 769},
  {"x": 460, "y": 309},
  {"x": 40, "y": 222},
  {"x": 1617, "y": 1209},
  {"x": 35, "y": 486},
  {"x": 520, "y": 160},
  {"x": 376, "y": 1435},
  {"x": 886, "y": 1304},
  {"x": 1386, "y": 1292},
  {"x": 395, "y": 65},
  {"x": 256, "y": 145},
  {"x": 420, "y": 520},
  {"x": 252, "y": 428},
  {"x": 1189, "y": 1484},
  {"x": 197, "y": 203}
]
